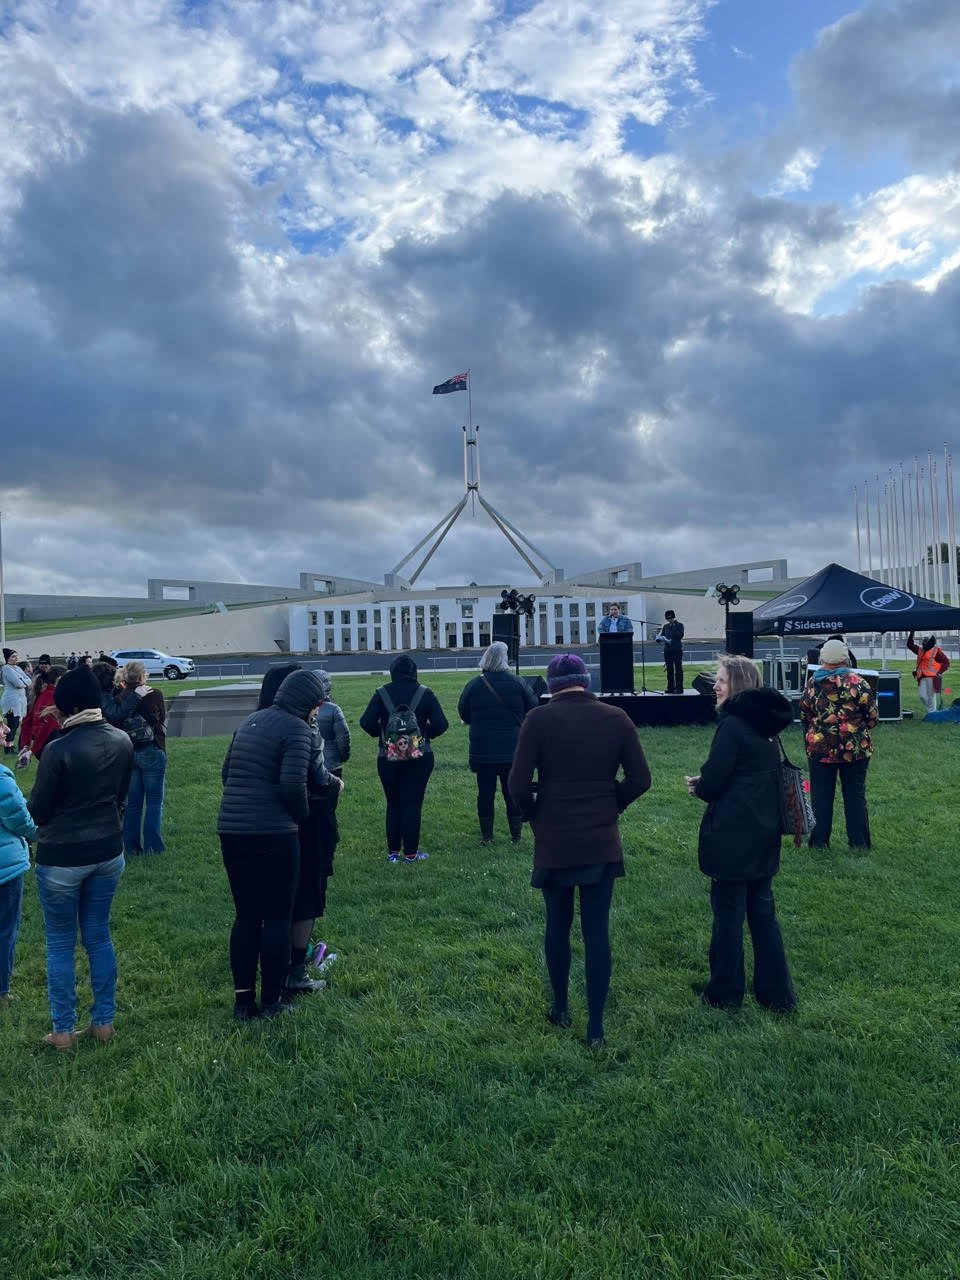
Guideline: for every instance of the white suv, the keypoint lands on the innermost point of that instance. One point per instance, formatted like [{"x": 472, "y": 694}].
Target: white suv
[{"x": 156, "y": 662}]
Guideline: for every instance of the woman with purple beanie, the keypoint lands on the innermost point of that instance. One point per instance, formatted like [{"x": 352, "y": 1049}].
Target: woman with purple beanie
[{"x": 577, "y": 746}]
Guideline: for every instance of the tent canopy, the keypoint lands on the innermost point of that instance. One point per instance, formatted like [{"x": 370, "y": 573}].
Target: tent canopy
[{"x": 837, "y": 599}]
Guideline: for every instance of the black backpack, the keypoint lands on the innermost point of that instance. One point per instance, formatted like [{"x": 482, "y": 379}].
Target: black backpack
[
  {"x": 138, "y": 729},
  {"x": 401, "y": 738}
]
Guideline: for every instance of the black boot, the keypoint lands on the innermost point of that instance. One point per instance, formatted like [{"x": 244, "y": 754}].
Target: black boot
[
  {"x": 516, "y": 828},
  {"x": 298, "y": 984},
  {"x": 486, "y": 830}
]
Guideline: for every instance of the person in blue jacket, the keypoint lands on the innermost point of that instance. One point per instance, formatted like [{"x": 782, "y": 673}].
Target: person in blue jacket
[
  {"x": 615, "y": 621},
  {"x": 16, "y": 828}
]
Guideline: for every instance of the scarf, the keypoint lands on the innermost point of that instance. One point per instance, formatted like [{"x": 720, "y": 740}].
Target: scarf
[
  {"x": 90, "y": 716},
  {"x": 824, "y": 674}
]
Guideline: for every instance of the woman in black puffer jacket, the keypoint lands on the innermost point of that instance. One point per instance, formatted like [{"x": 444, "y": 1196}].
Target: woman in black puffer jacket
[
  {"x": 404, "y": 782},
  {"x": 494, "y": 704},
  {"x": 740, "y": 838},
  {"x": 265, "y": 798}
]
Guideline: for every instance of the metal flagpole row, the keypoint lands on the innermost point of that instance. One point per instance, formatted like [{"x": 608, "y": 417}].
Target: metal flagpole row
[{"x": 951, "y": 525}]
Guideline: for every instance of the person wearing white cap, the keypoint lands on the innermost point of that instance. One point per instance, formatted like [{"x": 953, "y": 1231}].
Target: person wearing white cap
[{"x": 838, "y": 709}]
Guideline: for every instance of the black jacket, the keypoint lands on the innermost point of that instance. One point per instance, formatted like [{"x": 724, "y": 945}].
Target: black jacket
[
  {"x": 79, "y": 793},
  {"x": 494, "y": 722},
  {"x": 266, "y": 770},
  {"x": 740, "y": 831},
  {"x": 401, "y": 689},
  {"x": 672, "y": 633}
]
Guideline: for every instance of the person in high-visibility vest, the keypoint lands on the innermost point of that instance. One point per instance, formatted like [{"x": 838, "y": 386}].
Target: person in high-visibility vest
[{"x": 932, "y": 662}]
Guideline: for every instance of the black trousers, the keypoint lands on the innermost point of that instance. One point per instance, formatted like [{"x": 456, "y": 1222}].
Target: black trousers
[
  {"x": 13, "y": 724},
  {"x": 488, "y": 775},
  {"x": 404, "y": 785},
  {"x": 263, "y": 871},
  {"x": 823, "y": 788},
  {"x": 595, "y": 902},
  {"x": 732, "y": 900},
  {"x": 674, "y": 664}
]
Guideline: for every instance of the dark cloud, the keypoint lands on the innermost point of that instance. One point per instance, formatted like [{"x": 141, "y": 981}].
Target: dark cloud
[
  {"x": 234, "y": 412},
  {"x": 886, "y": 76}
]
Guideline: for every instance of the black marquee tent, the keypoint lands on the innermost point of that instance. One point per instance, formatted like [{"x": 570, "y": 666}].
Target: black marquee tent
[{"x": 837, "y": 599}]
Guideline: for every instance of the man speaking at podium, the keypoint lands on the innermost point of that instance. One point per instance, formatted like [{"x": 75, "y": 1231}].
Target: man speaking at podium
[{"x": 615, "y": 621}]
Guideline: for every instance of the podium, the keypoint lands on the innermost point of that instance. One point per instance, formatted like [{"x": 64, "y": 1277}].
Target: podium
[{"x": 616, "y": 661}]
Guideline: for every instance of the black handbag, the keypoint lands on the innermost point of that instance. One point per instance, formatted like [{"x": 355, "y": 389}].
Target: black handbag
[{"x": 796, "y": 814}]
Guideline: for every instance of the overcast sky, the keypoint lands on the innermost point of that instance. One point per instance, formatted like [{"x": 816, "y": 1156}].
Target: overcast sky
[{"x": 703, "y": 261}]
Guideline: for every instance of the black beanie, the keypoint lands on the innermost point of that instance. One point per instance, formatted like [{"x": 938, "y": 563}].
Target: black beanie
[
  {"x": 8, "y": 654},
  {"x": 78, "y": 690}
]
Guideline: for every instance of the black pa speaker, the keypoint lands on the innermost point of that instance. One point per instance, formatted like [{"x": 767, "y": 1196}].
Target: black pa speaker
[
  {"x": 506, "y": 627},
  {"x": 616, "y": 662},
  {"x": 703, "y": 683},
  {"x": 740, "y": 634}
]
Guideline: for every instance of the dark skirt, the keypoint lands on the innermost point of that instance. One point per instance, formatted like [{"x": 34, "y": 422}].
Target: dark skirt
[
  {"x": 318, "y": 842},
  {"x": 570, "y": 877}
]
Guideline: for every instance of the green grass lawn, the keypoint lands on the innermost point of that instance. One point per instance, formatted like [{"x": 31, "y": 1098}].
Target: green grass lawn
[{"x": 421, "y": 1119}]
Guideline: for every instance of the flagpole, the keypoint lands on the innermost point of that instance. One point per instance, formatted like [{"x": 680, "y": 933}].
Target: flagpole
[
  {"x": 856, "y": 514},
  {"x": 951, "y": 524}
]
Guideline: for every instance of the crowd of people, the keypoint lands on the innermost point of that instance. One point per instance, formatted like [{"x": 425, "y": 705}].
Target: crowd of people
[{"x": 569, "y": 767}]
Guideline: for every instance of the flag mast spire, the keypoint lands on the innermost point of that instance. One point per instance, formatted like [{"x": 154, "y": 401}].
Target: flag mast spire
[{"x": 546, "y": 571}]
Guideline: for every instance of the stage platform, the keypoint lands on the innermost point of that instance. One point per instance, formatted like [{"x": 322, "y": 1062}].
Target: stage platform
[{"x": 656, "y": 710}]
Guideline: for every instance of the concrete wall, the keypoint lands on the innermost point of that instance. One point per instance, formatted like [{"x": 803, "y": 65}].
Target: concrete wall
[
  {"x": 272, "y": 628},
  {"x": 729, "y": 573},
  {"x": 256, "y": 630},
  {"x": 201, "y": 592},
  {"x": 618, "y": 575},
  {"x": 36, "y": 608}
]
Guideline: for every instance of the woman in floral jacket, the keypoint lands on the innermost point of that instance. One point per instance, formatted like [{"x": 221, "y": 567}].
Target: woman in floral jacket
[{"x": 838, "y": 709}]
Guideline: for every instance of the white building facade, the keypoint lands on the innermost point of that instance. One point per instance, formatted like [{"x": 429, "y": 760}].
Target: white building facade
[{"x": 449, "y": 618}]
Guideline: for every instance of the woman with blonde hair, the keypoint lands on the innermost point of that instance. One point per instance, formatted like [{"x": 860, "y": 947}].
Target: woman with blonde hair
[
  {"x": 739, "y": 845},
  {"x": 141, "y": 712},
  {"x": 494, "y": 704}
]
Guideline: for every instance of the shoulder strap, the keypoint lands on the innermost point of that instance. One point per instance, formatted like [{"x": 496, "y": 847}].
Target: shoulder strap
[
  {"x": 784, "y": 758},
  {"x": 518, "y": 719},
  {"x": 415, "y": 700},
  {"x": 386, "y": 700}
]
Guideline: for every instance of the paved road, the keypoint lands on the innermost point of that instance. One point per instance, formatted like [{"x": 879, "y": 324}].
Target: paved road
[{"x": 430, "y": 660}]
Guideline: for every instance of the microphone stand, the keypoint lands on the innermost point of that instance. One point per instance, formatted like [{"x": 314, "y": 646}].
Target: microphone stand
[{"x": 643, "y": 660}]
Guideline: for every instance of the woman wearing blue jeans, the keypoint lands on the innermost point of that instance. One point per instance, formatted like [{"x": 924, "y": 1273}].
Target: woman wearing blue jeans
[
  {"x": 143, "y": 817},
  {"x": 81, "y": 785}
]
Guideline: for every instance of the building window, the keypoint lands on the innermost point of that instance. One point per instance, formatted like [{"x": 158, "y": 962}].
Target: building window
[
  {"x": 591, "y": 610},
  {"x": 345, "y": 617},
  {"x": 361, "y": 637},
  {"x": 328, "y": 642},
  {"x": 362, "y": 616},
  {"x": 328, "y": 617},
  {"x": 558, "y": 610},
  {"x": 312, "y": 618},
  {"x": 466, "y": 611},
  {"x": 574, "y": 611},
  {"x": 376, "y": 616}
]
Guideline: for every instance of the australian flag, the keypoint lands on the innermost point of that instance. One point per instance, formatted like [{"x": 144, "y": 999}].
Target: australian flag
[{"x": 457, "y": 383}]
